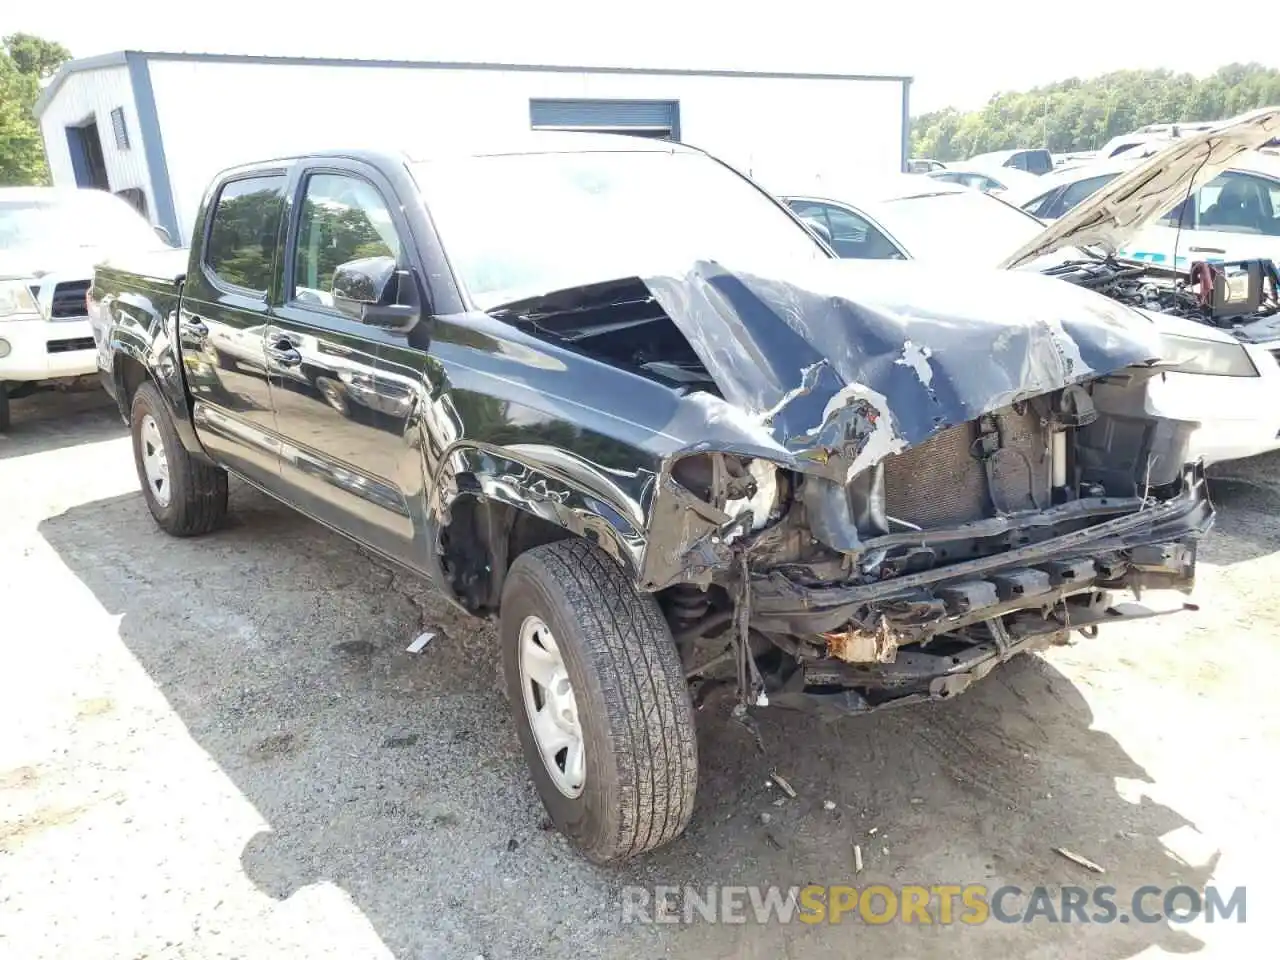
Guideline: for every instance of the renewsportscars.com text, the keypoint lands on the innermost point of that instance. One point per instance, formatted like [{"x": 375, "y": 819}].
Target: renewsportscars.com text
[{"x": 934, "y": 904}]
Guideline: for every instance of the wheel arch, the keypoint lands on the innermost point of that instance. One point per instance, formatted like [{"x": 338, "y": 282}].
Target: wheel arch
[{"x": 503, "y": 502}]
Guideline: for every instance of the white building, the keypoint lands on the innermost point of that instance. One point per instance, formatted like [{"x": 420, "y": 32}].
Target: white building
[{"x": 160, "y": 125}]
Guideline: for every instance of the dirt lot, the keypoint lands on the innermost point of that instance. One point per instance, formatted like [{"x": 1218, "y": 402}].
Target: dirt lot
[{"x": 220, "y": 748}]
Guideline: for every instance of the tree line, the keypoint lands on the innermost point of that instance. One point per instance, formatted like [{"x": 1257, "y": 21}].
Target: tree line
[
  {"x": 24, "y": 62},
  {"x": 1084, "y": 114}
]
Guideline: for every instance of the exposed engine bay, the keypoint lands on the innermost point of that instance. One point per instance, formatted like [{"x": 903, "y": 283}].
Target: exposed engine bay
[
  {"x": 918, "y": 518},
  {"x": 1231, "y": 295}
]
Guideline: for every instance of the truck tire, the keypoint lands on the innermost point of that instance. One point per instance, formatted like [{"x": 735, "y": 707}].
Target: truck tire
[
  {"x": 601, "y": 702},
  {"x": 4, "y": 407},
  {"x": 186, "y": 496}
]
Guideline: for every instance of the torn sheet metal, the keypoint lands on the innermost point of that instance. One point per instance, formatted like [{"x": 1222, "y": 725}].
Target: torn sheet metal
[{"x": 846, "y": 362}]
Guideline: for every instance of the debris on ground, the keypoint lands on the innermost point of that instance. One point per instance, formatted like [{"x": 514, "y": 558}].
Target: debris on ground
[
  {"x": 873, "y": 831},
  {"x": 857, "y": 859},
  {"x": 420, "y": 642},
  {"x": 1076, "y": 858},
  {"x": 766, "y": 817},
  {"x": 828, "y": 805},
  {"x": 781, "y": 781},
  {"x": 779, "y": 802}
]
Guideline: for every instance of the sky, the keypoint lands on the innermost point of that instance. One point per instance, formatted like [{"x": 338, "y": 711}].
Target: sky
[{"x": 958, "y": 54}]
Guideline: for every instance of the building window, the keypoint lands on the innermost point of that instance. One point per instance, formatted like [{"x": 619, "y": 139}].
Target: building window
[
  {"x": 119, "y": 129},
  {"x": 646, "y": 118}
]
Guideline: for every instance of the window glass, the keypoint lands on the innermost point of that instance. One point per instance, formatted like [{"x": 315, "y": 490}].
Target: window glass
[
  {"x": 1078, "y": 192},
  {"x": 853, "y": 238},
  {"x": 244, "y": 232},
  {"x": 519, "y": 225},
  {"x": 1037, "y": 161},
  {"x": 343, "y": 218},
  {"x": 1042, "y": 205},
  {"x": 1235, "y": 203}
]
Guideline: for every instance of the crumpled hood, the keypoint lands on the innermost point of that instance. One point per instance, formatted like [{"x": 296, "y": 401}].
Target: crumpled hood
[
  {"x": 847, "y": 361},
  {"x": 1114, "y": 215}
]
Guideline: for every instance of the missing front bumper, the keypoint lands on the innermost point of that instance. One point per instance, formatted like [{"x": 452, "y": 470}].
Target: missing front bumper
[
  {"x": 921, "y": 676},
  {"x": 1151, "y": 546}
]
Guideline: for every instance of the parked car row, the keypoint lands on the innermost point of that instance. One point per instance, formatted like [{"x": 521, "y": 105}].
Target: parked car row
[
  {"x": 49, "y": 241},
  {"x": 837, "y": 453}
]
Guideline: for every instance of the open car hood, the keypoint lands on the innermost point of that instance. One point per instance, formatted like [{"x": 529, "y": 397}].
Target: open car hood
[
  {"x": 840, "y": 363},
  {"x": 1115, "y": 214}
]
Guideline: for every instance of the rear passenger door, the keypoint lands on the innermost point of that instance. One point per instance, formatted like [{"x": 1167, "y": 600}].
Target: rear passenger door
[
  {"x": 222, "y": 320},
  {"x": 341, "y": 414}
]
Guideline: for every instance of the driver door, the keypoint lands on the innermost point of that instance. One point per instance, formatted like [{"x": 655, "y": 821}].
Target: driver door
[{"x": 340, "y": 413}]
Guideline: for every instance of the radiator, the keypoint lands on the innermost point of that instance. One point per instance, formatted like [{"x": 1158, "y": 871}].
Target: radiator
[{"x": 941, "y": 482}]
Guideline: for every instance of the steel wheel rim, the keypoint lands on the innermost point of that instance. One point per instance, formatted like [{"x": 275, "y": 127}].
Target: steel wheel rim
[
  {"x": 551, "y": 707},
  {"x": 155, "y": 463}
]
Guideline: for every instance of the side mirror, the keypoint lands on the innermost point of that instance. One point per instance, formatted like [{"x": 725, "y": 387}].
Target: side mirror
[
  {"x": 366, "y": 291},
  {"x": 163, "y": 234},
  {"x": 819, "y": 228}
]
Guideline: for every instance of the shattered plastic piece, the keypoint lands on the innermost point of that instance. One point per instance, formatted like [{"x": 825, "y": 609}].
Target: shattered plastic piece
[
  {"x": 857, "y": 859},
  {"x": 873, "y": 831},
  {"x": 828, "y": 805},
  {"x": 420, "y": 642},
  {"x": 779, "y": 802},
  {"x": 781, "y": 781},
  {"x": 1076, "y": 858}
]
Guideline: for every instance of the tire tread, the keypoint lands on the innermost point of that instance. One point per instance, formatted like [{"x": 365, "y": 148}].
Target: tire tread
[
  {"x": 198, "y": 490},
  {"x": 643, "y": 683}
]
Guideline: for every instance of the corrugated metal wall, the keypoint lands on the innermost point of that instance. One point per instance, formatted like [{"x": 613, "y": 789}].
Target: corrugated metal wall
[
  {"x": 93, "y": 95},
  {"x": 215, "y": 114}
]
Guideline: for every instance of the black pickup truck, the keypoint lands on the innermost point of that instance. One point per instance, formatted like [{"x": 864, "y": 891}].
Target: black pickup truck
[{"x": 612, "y": 393}]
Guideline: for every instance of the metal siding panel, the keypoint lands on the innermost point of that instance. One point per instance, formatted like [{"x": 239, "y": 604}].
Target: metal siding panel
[
  {"x": 161, "y": 193},
  {"x": 94, "y": 94},
  {"x": 605, "y": 113}
]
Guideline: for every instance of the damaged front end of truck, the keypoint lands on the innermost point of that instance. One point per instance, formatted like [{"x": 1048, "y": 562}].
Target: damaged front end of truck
[
  {"x": 905, "y": 476},
  {"x": 938, "y": 477}
]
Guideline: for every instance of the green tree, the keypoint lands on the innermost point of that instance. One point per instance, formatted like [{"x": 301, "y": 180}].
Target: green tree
[
  {"x": 24, "y": 61},
  {"x": 1077, "y": 114}
]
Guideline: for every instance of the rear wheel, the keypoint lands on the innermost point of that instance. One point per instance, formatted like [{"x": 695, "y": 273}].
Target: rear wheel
[
  {"x": 186, "y": 496},
  {"x": 601, "y": 702}
]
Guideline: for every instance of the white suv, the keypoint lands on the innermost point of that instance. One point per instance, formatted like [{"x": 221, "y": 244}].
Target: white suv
[{"x": 50, "y": 238}]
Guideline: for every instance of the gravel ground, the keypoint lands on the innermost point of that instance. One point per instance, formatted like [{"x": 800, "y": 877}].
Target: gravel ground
[{"x": 220, "y": 748}]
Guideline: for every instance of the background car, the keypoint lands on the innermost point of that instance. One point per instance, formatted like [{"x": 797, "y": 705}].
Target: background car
[
  {"x": 50, "y": 238},
  {"x": 986, "y": 179},
  {"x": 922, "y": 219},
  {"x": 1235, "y": 216},
  {"x": 1036, "y": 160}
]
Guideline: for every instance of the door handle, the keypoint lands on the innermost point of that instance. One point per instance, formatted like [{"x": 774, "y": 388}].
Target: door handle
[
  {"x": 284, "y": 353},
  {"x": 1206, "y": 250},
  {"x": 195, "y": 327}
]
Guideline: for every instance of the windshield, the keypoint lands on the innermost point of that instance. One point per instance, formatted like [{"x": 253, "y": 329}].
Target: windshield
[
  {"x": 970, "y": 224},
  {"x": 71, "y": 222},
  {"x": 520, "y": 225}
]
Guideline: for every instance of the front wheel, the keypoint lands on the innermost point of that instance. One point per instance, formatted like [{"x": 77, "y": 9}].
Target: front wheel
[
  {"x": 186, "y": 496},
  {"x": 601, "y": 702}
]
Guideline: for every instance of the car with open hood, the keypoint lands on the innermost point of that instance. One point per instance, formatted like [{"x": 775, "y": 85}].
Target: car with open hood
[
  {"x": 1233, "y": 216},
  {"x": 1226, "y": 377},
  {"x": 615, "y": 395},
  {"x": 49, "y": 240}
]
